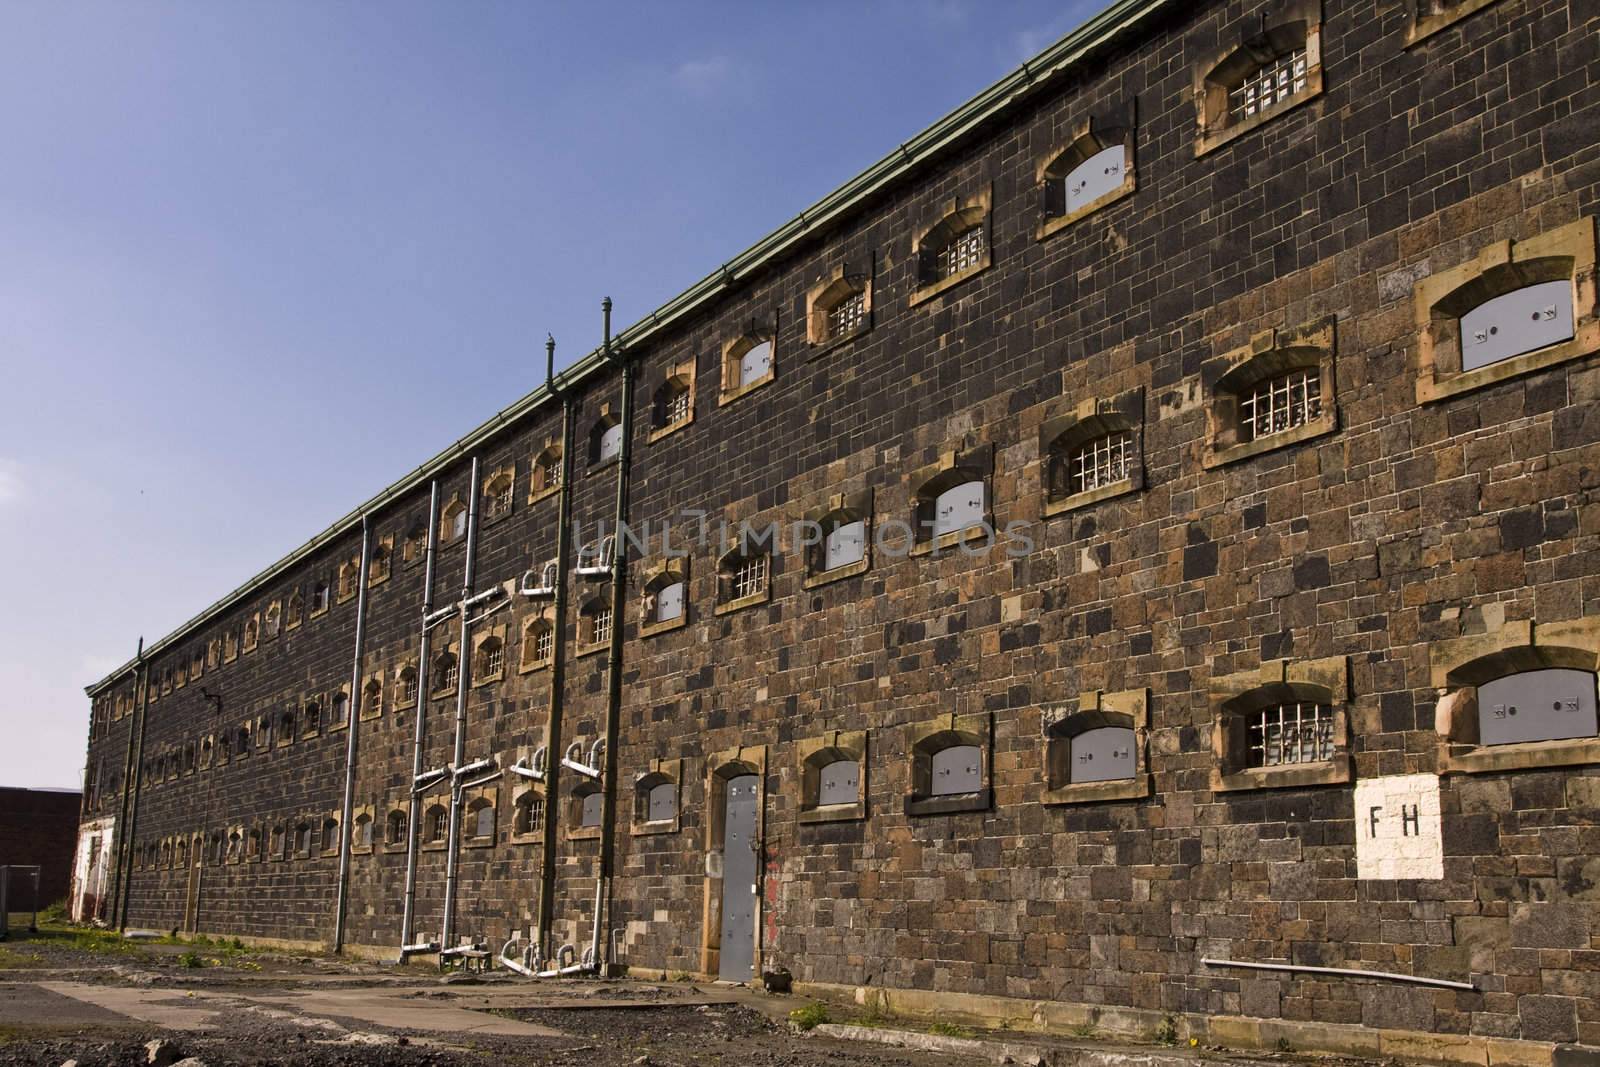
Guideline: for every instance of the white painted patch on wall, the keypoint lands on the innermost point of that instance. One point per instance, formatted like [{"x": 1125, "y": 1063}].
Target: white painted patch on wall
[{"x": 1398, "y": 831}]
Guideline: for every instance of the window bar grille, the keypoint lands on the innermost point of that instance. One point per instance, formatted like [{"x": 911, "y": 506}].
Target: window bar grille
[
  {"x": 602, "y": 625},
  {"x": 847, "y": 315},
  {"x": 1101, "y": 462},
  {"x": 678, "y": 407},
  {"x": 1280, "y": 404},
  {"x": 544, "y": 645},
  {"x": 750, "y": 577},
  {"x": 965, "y": 251},
  {"x": 1291, "y": 733},
  {"x": 1273, "y": 83}
]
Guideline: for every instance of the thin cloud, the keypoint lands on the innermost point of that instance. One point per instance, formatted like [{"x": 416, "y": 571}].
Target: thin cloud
[
  {"x": 703, "y": 75},
  {"x": 10, "y": 480}
]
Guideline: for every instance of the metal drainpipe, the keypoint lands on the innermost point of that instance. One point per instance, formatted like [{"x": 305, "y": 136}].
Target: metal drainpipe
[
  {"x": 558, "y": 670},
  {"x": 463, "y": 683},
  {"x": 138, "y": 789},
  {"x": 420, "y": 709},
  {"x": 130, "y": 774},
  {"x": 619, "y": 578},
  {"x": 215, "y": 700},
  {"x": 352, "y": 729}
]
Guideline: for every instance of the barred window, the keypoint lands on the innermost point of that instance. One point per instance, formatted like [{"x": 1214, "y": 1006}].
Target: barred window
[
  {"x": 438, "y": 823},
  {"x": 544, "y": 644},
  {"x": 600, "y": 625},
  {"x": 749, "y": 576},
  {"x": 1280, "y": 404},
  {"x": 964, "y": 250},
  {"x": 677, "y": 407},
  {"x": 846, "y": 317},
  {"x": 408, "y": 685},
  {"x": 1273, "y": 83},
  {"x": 499, "y": 496},
  {"x": 529, "y": 815},
  {"x": 1298, "y": 732},
  {"x": 449, "y": 671},
  {"x": 1101, "y": 461}
]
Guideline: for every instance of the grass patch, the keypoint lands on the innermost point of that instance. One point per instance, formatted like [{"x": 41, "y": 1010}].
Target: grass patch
[
  {"x": 192, "y": 960},
  {"x": 810, "y": 1016},
  {"x": 10, "y": 959},
  {"x": 944, "y": 1029}
]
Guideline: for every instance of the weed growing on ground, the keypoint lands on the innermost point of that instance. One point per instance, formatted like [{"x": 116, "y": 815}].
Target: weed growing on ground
[
  {"x": 944, "y": 1029},
  {"x": 1167, "y": 1032},
  {"x": 810, "y": 1016},
  {"x": 192, "y": 960}
]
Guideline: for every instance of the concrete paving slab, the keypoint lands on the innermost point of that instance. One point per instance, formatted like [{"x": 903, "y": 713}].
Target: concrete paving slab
[
  {"x": 386, "y": 1007},
  {"x": 166, "y": 1008}
]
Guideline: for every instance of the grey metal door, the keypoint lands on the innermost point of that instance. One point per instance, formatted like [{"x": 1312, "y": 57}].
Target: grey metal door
[{"x": 738, "y": 954}]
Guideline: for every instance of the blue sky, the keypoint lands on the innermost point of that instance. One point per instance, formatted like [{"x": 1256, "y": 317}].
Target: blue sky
[{"x": 260, "y": 259}]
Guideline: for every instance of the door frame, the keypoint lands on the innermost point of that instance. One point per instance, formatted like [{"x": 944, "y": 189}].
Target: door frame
[{"x": 720, "y": 768}]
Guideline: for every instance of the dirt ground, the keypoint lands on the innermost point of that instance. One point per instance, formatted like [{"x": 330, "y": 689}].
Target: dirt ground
[{"x": 94, "y": 998}]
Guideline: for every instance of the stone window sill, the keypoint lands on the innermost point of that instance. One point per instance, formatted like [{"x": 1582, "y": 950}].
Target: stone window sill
[
  {"x": 368, "y": 716},
  {"x": 336, "y": 726},
  {"x": 526, "y": 839},
  {"x": 285, "y": 742},
  {"x": 1222, "y": 455},
  {"x": 849, "y": 570},
  {"x": 345, "y": 598},
  {"x": 950, "y": 805},
  {"x": 246, "y": 650},
  {"x": 669, "y": 429},
  {"x": 290, "y": 626},
  {"x": 660, "y": 826},
  {"x": 596, "y": 468},
  {"x": 433, "y": 846},
  {"x": 1210, "y": 141},
  {"x": 1529, "y": 755},
  {"x": 1053, "y": 226},
  {"x": 535, "y": 496},
  {"x": 478, "y": 842},
  {"x": 361, "y": 850},
  {"x": 498, "y": 676},
  {"x": 836, "y": 813},
  {"x": 1071, "y": 503},
  {"x": 745, "y": 602},
  {"x": 495, "y": 518},
  {"x": 651, "y": 629},
  {"x": 983, "y": 531},
  {"x": 1135, "y": 788},
  {"x": 1283, "y": 776},
  {"x": 730, "y": 395},
  {"x": 395, "y": 847},
  {"x": 1425, "y": 26},
  {"x": 373, "y": 583},
  {"x": 529, "y": 668},
  {"x": 923, "y": 293},
  {"x": 1584, "y": 343},
  {"x": 590, "y": 650},
  {"x": 406, "y": 706},
  {"x": 316, "y": 613},
  {"x": 584, "y": 833}
]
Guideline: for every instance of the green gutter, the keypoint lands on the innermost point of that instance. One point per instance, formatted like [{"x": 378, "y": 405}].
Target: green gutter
[{"x": 1065, "y": 55}]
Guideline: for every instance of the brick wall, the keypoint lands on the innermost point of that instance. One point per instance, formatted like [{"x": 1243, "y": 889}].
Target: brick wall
[
  {"x": 38, "y": 828},
  {"x": 1407, "y": 526}
]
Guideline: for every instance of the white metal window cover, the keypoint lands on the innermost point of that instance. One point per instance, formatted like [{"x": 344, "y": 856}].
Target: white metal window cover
[
  {"x": 1100, "y": 174},
  {"x": 484, "y": 823},
  {"x": 839, "y": 783},
  {"x": 1280, "y": 403},
  {"x": 845, "y": 544},
  {"x": 1552, "y": 704},
  {"x": 458, "y": 527},
  {"x": 959, "y": 507},
  {"x": 964, "y": 251},
  {"x": 749, "y": 576},
  {"x": 1523, "y": 320},
  {"x": 1293, "y": 732},
  {"x": 1101, "y": 461},
  {"x": 845, "y": 317},
  {"x": 756, "y": 363},
  {"x": 662, "y": 803},
  {"x": 669, "y": 602},
  {"x": 1102, "y": 754},
  {"x": 610, "y": 443},
  {"x": 956, "y": 769},
  {"x": 592, "y": 809},
  {"x": 1271, "y": 84}
]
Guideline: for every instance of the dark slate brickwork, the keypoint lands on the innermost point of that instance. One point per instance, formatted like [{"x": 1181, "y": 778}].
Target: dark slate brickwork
[{"x": 1408, "y": 525}]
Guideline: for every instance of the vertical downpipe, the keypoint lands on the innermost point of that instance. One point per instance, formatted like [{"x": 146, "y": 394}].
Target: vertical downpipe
[
  {"x": 123, "y": 836},
  {"x": 420, "y": 710},
  {"x": 463, "y": 683},
  {"x": 352, "y": 728},
  {"x": 558, "y": 669},
  {"x": 619, "y": 579}
]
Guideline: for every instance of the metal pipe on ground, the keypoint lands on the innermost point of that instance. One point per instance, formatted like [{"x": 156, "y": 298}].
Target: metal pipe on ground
[{"x": 1344, "y": 972}]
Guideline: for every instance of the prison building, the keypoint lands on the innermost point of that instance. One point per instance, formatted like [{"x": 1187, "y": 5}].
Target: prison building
[{"x": 1171, "y": 603}]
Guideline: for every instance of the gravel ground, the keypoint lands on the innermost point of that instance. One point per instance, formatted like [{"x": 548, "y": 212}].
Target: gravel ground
[{"x": 46, "y": 1026}]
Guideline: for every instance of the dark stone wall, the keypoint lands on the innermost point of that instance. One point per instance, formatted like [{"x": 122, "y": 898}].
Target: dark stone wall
[
  {"x": 38, "y": 828},
  {"x": 1407, "y": 526}
]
